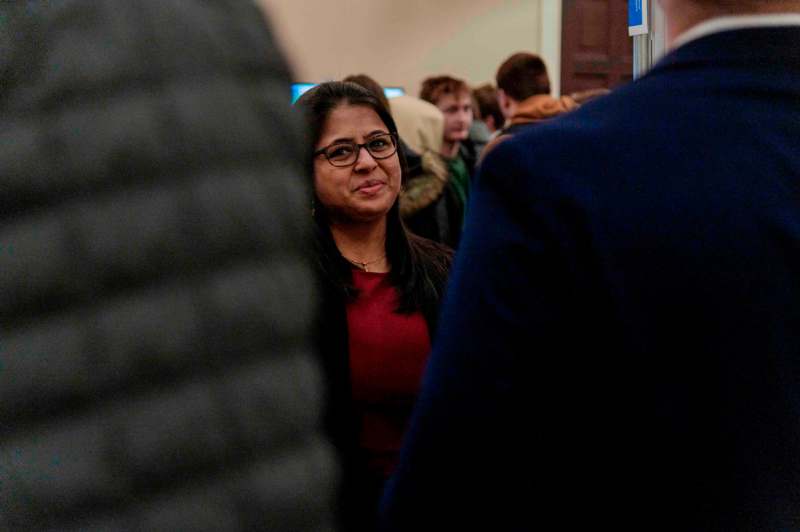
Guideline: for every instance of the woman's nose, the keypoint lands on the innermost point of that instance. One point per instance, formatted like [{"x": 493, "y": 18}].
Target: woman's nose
[{"x": 365, "y": 161}]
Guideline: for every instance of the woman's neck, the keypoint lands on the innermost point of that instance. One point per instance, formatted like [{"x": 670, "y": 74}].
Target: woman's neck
[{"x": 363, "y": 244}]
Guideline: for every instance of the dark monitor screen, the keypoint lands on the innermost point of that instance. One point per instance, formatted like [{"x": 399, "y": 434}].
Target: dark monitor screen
[{"x": 299, "y": 88}]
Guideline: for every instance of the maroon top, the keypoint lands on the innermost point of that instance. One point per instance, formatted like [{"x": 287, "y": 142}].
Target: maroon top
[{"x": 388, "y": 352}]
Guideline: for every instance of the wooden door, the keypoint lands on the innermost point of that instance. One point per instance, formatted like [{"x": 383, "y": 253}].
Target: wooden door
[{"x": 596, "y": 50}]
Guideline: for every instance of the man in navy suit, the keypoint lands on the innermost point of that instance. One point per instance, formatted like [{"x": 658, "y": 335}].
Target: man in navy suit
[{"x": 620, "y": 347}]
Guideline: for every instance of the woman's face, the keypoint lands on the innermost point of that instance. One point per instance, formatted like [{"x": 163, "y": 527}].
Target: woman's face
[{"x": 366, "y": 190}]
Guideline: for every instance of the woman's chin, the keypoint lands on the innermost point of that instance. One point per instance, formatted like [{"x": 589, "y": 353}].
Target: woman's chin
[
  {"x": 362, "y": 215},
  {"x": 372, "y": 208},
  {"x": 369, "y": 215}
]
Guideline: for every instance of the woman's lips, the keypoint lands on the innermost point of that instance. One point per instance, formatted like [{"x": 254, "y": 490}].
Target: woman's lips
[{"x": 370, "y": 187}]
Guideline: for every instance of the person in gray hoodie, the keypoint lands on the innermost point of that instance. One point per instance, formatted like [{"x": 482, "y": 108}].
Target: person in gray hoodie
[{"x": 156, "y": 299}]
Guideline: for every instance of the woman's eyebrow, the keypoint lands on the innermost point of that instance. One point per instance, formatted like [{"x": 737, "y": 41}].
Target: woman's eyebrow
[
  {"x": 352, "y": 139},
  {"x": 342, "y": 139}
]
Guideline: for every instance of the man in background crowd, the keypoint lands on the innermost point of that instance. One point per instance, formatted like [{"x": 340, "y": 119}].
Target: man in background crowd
[
  {"x": 488, "y": 106},
  {"x": 452, "y": 96},
  {"x": 523, "y": 96}
]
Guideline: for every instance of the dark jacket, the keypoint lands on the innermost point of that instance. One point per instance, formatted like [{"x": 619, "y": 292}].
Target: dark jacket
[
  {"x": 156, "y": 303},
  {"x": 429, "y": 205},
  {"x": 620, "y": 344}
]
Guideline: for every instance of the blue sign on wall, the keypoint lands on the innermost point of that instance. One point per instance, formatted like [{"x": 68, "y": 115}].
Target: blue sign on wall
[{"x": 637, "y": 17}]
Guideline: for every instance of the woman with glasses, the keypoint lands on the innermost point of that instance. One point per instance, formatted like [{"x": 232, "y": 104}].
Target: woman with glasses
[{"x": 382, "y": 287}]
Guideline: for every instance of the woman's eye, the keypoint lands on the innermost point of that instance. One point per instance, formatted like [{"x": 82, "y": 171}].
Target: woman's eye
[
  {"x": 378, "y": 144},
  {"x": 340, "y": 152}
]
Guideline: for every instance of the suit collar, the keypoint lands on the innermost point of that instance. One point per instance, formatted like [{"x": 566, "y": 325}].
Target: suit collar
[
  {"x": 737, "y": 22},
  {"x": 765, "y": 46}
]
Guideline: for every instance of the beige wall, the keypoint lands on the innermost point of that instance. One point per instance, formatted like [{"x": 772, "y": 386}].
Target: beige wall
[{"x": 400, "y": 42}]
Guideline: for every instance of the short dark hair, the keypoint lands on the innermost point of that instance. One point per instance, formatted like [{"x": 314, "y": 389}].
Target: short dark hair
[
  {"x": 435, "y": 87},
  {"x": 372, "y": 86},
  {"x": 523, "y": 75},
  {"x": 419, "y": 266},
  {"x": 486, "y": 96}
]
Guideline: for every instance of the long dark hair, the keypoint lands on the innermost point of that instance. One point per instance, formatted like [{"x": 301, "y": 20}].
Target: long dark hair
[{"x": 418, "y": 266}]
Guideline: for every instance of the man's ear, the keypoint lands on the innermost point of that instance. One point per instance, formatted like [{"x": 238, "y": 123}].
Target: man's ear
[{"x": 504, "y": 102}]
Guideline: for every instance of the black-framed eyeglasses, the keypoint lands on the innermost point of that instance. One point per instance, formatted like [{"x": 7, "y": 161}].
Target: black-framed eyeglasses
[{"x": 346, "y": 153}]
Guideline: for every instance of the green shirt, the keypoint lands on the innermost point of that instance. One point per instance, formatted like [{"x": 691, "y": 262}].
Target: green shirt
[{"x": 459, "y": 177}]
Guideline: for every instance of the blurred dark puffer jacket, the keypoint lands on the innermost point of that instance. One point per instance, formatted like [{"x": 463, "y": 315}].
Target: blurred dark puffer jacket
[{"x": 156, "y": 370}]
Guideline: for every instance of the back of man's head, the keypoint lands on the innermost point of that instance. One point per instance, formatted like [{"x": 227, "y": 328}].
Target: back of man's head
[
  {"x": 523, "y": 75},
  {"x": 490, "y": 113}
]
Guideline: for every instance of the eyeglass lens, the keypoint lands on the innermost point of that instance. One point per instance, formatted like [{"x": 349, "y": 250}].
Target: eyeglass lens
[{"x": 346, "y": 153}]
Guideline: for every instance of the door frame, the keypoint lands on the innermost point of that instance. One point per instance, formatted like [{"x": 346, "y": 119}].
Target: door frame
[{"x": 550, "y": 41}]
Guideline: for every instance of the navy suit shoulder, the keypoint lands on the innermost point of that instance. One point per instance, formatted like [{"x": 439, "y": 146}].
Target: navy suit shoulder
[{"x": 618, "y": 343}]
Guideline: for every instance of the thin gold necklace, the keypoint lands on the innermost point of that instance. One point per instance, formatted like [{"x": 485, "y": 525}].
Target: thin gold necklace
[{"x": 363, "y": 265}]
